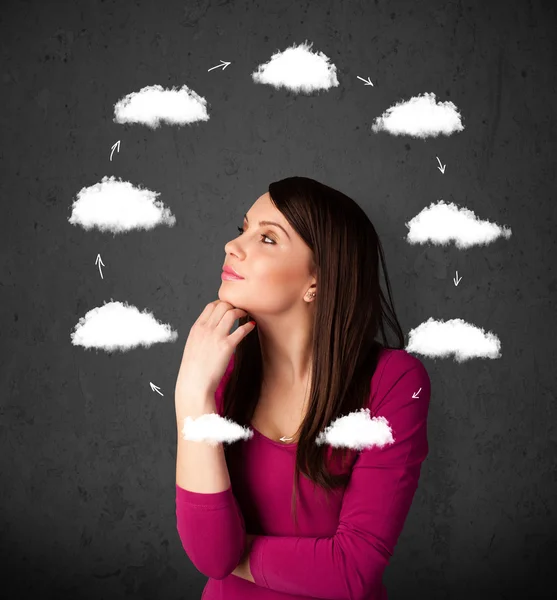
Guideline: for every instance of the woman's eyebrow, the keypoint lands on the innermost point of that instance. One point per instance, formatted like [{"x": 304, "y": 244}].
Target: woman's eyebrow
[{"x": 268, "y": 223}]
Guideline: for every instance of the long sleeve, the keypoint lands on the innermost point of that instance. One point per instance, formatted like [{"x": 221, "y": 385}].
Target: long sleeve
[
  {"x": 211, "y": 527},
  {"x": 376, "y": 502},
  {"x": 212, "y": 531}
]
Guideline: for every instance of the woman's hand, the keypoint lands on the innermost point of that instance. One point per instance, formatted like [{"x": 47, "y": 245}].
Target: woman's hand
[{"x": 208, "y": 350}]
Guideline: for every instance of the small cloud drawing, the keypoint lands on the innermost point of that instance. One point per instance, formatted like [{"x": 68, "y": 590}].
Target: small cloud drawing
[
  {"x": 420, "y": 117},
  {"x": 441, "y": 223},
  {"x": 116, "y": 326},
  {"x": 118, "y": 206},
  {"x": 462, "y": 340},
  {"x": 298, "y": 69},
  {"x": 213, "y": 428},
  {"x": 357, "y": 431},
  {"x": 153, "y": 105}
]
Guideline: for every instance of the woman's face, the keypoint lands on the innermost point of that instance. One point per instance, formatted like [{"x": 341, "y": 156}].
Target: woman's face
[{"x": 275, "y": 264}]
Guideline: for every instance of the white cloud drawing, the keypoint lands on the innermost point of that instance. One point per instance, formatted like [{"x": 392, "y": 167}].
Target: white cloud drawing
[
  {"x": 116, "y": 326},
  {"x": 212, "y": 429},
  {"x": 118, "y": 206},
  {"x": 420, "y": 117},
  {"x": 441, "y": 223},
  {"x": 153, "y": 105},
  {"x": 298, "y": 69},
  {"x": 462, "y": 340},
  {"x": 357, "y": 431}
]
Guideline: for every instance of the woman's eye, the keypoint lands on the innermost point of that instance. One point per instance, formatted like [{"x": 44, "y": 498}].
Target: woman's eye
[{"x": 272, "y": 243}]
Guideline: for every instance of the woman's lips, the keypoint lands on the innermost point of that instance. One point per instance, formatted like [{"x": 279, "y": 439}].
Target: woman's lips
[
  {"x": 229, "y": 277},
  {"x": 231, "y": 271}
]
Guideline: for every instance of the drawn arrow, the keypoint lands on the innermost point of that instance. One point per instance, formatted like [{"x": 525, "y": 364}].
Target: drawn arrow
[
  {"x": 441, "y": 167},
  {"x": 155, "y": 388},
  {"x": 366, "y": 81},
  {"x": 99, "y": 261},
  {"x": 223, "y": 65},
  {"x": 457, "y": 280},
  {"x": 117, "y": 144}
]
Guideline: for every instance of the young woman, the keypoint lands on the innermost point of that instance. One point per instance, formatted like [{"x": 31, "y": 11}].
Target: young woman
[{"x": 308, "y": 261}]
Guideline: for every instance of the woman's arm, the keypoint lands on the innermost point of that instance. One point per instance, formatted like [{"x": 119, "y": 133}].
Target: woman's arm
[{"x": 200, "y": 466}]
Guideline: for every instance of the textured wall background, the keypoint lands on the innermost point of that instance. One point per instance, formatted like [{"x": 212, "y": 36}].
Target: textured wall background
[{"x": 87, "y": 449}]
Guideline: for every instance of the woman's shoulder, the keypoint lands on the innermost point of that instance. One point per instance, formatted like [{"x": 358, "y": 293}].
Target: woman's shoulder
[
  {"x": 397, "y": 360},
  {"x": 394, "y": 364}
]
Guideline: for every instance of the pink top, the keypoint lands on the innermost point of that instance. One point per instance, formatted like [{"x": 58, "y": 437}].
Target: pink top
[{"x": 341, "y": 548}]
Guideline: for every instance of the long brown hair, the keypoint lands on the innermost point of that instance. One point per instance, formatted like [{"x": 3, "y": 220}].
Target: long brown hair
[{"x": 350, "y": 311}]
